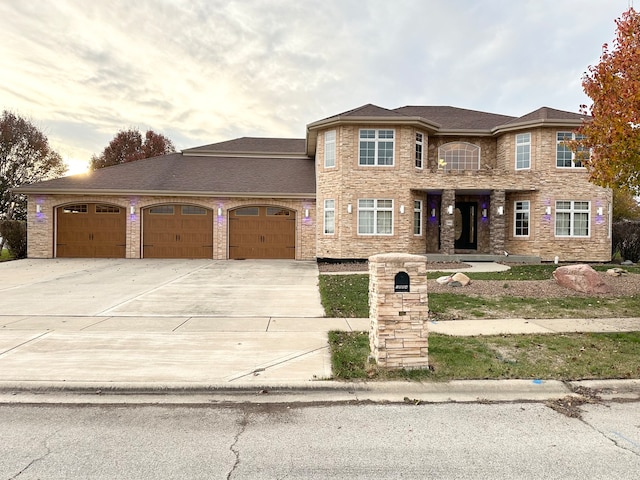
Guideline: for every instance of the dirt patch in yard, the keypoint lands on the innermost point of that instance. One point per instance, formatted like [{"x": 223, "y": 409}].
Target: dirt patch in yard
[{"x": 625, "y": 285}]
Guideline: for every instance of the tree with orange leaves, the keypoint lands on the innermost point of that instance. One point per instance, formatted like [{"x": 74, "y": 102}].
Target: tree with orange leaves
[{"x": 612, "y": 134}]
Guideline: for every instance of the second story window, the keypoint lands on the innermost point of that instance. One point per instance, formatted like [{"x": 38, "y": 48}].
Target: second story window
[
  {"x": 523, "y": 151},
  {"x": 376, "y": 147},
  {"x": 565, "y": 157},
  {"x": 459, "y": 156},
  {"x": 330, "y": 148},
  {"x": 419, "y": 149}
]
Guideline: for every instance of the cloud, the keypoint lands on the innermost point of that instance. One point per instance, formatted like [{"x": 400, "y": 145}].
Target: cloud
[{"x": 202, "y": 71}]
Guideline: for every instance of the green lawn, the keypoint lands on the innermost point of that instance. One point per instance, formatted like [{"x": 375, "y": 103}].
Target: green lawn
[{"x": 558, "y": 356}]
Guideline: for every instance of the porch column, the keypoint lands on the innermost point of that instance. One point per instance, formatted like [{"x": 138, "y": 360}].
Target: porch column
[
  {"x": 498, "y": 222},
  {"x": 447, "y": 223}
]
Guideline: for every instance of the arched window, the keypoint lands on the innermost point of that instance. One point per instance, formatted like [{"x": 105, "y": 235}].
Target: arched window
[{"x": 459, "y": 156}]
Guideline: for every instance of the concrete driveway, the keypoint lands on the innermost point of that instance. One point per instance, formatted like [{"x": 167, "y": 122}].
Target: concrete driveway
[
  {"x": 155, "y": 323},
  {"x": 153, "y": 288}
]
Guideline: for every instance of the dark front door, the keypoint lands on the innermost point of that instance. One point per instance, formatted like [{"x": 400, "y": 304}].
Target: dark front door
[{"x": 466, "y": 226}]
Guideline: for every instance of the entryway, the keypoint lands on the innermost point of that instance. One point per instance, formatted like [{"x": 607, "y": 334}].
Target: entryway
[{"x": 466, "y": 226}]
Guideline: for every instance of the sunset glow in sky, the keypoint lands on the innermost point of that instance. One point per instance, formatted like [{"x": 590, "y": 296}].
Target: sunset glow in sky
[{"x": 203, "y": 71}]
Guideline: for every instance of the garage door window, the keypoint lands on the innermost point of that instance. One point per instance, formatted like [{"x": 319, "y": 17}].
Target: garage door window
[
  {"x": 161, "y": 210},
  {"x": 192, "y": 210},
  {"x": 107, "y": 209},
  {"x": 248, "y": 212},
  {"x": 76, "y": 209},
  {"x": 272, "y": 211}
]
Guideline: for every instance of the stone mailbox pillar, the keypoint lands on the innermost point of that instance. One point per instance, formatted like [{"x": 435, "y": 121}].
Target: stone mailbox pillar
[{"x": 398, "y": 310}]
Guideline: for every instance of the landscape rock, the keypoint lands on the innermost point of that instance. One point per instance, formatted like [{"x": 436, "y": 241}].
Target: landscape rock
[
  {"x": 462, "y": 278},
  {"x": 616, "y": 272},
  {"x": 627, "y": 262},
  {"x": 443, "y": 280},
  {"x": 454, "y": 283},
  {"x": 581, "y": 278}
]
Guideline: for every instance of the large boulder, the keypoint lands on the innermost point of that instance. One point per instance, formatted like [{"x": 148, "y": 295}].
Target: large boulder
[{"x": 581, "y": 278}]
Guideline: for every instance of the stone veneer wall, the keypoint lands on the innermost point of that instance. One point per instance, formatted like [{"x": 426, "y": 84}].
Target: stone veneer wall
[
  {"x": 543, "y": 184},
  {"x": 40, "y": 226},
  {"x": 398, "y": 336}
]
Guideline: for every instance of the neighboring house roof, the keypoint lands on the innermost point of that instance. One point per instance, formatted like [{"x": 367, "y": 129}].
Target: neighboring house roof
[
  {"x": 253, "y": 146},
  {"x": 178, "y": 174}
]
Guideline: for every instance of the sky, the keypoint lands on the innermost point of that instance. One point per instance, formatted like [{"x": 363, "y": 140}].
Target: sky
[{"x": 205, "y": 71}]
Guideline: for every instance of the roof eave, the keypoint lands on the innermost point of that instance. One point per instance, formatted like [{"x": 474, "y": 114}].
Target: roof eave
[
  {"x": 93, "y": 192},
  {"x": 312, "y": 128},
  {"x": 547, "y": 123}
]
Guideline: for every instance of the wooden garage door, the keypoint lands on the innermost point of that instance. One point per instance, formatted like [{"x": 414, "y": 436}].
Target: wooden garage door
[
  {"x": 177, "y": 231},
  {"x": 91, "y": 230},
  {"x": 262, "y": 232}
]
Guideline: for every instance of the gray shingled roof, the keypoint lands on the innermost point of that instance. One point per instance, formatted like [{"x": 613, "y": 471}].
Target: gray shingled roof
[
  {"x": 453, "y": 118},
  {"x": 252, "y": 145},
  {"x": 180, "y": 174},
  {"x": 546, "y": 113}
]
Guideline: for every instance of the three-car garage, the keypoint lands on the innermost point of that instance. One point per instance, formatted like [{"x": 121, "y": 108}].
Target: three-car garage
[{"x": 95, "y": 230}]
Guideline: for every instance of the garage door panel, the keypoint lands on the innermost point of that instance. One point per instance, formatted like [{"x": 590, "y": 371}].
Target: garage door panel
[
  {"x": 266, "y": 236},
  {"x": 177, "y": 234},
  {"x": 83, "y": 232}
]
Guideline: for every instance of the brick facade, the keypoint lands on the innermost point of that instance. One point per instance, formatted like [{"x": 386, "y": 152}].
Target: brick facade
[
  {"x": 41, "y": 235},
  {"x": 469, "y": 210},
  {"x": 495, "y": 186}
]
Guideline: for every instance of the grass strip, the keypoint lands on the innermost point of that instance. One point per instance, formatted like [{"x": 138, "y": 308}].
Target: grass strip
[{"x": 576, "y": 356}]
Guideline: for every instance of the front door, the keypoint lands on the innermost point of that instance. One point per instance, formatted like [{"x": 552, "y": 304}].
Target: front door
[{"x": 466, "y": 226}]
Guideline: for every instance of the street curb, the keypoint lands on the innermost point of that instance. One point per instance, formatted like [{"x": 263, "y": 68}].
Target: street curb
[{"x": 300, "y": 392}]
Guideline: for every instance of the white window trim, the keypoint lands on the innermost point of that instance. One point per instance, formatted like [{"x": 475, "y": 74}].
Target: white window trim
[
  {"x": 375, "y": 211},
  {"x": 332, "y": 210},
  {"x": 417, "y": 209},
  {"x": 572, "y": 211},
  {"x": 573, "y": 154},
  {"x": 330, "y": 146},
  {"x": 377, "y": 142},
  {"x": 421, "y": 143},
  {"x": 522, "y": 144},
  {"x": 515, "y": 217}
]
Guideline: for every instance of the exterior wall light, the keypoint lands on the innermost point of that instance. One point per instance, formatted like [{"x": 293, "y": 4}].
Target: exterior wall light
[
  {"x": 306, "y": 213},
  {"x": 484, "y": 213},
  {"x": 500, "y": 210},
  {"x": 219, "y": 211},
  {"x": 433, "y": 212},
  {"x": 401, "y": 208},
  {"x": 38, "y": 208},
  {"x": 450, "y": 209},
  {"x": 547, "y": 211},
  {"x": 132, "y": 210},
  {"x": 600, "y": 211},
  {"x": 349, "y": 209}
]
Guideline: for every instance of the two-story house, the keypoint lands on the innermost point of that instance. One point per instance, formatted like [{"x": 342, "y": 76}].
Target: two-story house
[{"x": 416, "y": 179}]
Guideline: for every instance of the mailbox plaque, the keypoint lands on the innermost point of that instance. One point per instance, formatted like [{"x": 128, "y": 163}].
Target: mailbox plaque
[{"x": 401, "y": 284}]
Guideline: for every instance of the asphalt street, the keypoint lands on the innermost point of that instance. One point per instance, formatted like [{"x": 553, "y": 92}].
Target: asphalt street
[{"x": 365, "y": 441}]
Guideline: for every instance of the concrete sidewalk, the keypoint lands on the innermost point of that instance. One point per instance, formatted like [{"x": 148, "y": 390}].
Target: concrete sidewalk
[{"x": 154, "y": 354}]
